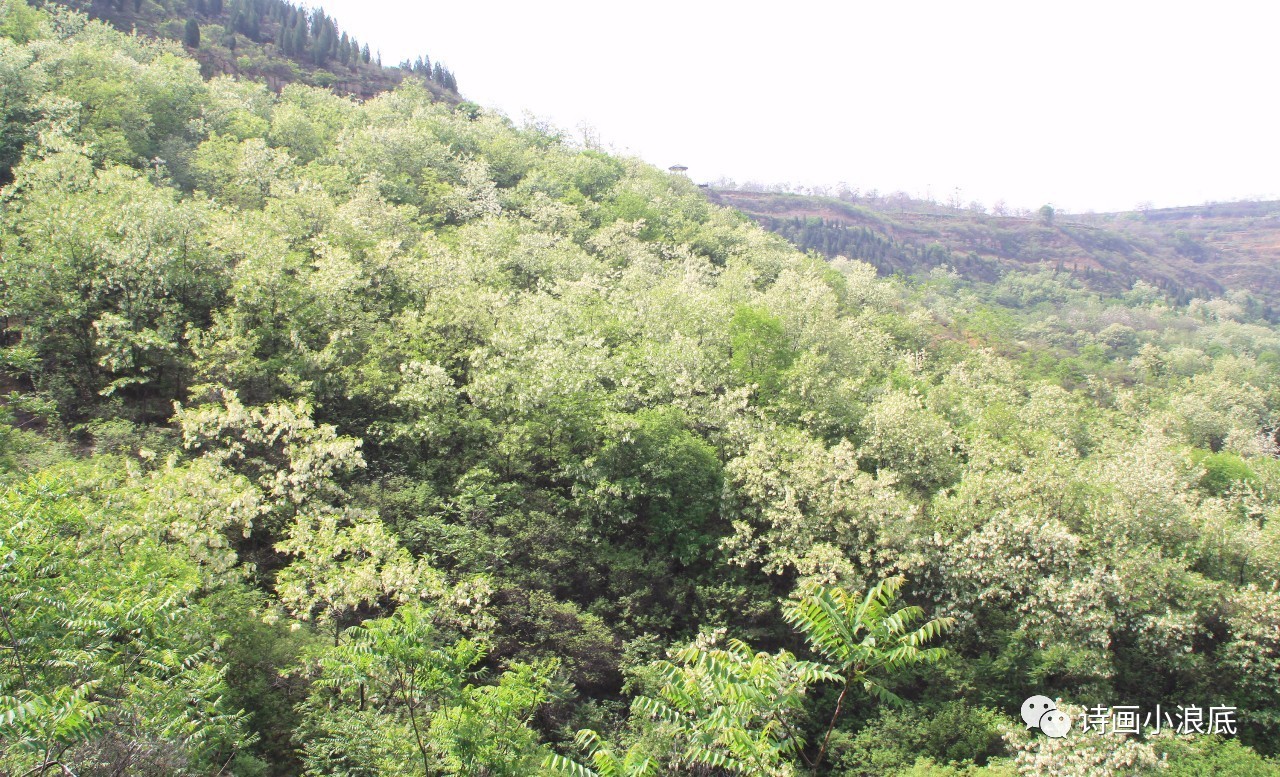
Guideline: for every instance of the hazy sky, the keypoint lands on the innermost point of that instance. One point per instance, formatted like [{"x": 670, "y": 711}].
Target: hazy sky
[{"x": 1083, "y": 105}]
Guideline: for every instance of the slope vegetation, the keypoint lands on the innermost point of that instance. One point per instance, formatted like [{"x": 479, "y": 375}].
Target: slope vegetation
[
  {"x": 386, "y": 437},
  {"x": 273, "y": 41},
  {"x": 1186, "y": 252}
]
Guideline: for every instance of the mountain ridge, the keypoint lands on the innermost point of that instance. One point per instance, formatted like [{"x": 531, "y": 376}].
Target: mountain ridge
[
  {"x": 1194, "y": 251},
  {"x": 275, "y": 41}
]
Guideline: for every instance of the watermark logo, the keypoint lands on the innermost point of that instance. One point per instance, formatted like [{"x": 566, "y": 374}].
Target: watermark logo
[
  {"x": 1041, "y": 712},
  {"x": 1185, "y": 719}
]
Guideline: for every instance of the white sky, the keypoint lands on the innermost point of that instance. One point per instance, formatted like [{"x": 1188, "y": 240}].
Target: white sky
[{"x": 1086, "y": 105}]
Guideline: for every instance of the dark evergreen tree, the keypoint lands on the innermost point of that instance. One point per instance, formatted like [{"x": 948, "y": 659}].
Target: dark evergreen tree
[
  {"x": 364, "y": 53},
  {"x": 324, "y": 45},
  {"x": 191, "y": 34},
  {"x": 299, "y": 38}
]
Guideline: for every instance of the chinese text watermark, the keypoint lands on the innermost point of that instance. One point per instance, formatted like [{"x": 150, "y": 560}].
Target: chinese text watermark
[{"x": 1043, "y": 713}]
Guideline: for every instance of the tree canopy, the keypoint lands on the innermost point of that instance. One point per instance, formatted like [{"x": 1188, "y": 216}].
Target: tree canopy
[{"x": 390, "y": 437}]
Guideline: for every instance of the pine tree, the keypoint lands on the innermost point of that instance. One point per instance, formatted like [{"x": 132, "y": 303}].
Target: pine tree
[
  {"x": 364, "y": 53},
  {"x": 323, "y": 49},
  {"x": 191, "y": 34},
  {"x": 437, "y": 74},
  {"x": 299, "y": 38}
]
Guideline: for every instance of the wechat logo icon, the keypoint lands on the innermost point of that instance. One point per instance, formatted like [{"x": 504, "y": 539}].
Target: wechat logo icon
[{"x": 1040, "y": 712}]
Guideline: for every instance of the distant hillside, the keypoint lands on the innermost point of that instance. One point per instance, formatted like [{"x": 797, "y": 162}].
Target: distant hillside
[
  {"x": 1237, "y": 243},
  {"x": 1187, "y": 252},
  {"x": 271, "y": 40}
]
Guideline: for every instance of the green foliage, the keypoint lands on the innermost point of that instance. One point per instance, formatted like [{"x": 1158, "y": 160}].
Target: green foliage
[
  {"x": 469, "y": 413},
  {"x": 21, "y": 23},
  {"x": 744, "y": 712},
  {"x": 734, "y": 709},
  {"x": 1250, "y": 661},
  {"x": 531, "y": 626},
  {"x": 862, "y": 637},
  {"x": 652, "y": 474},
  {"x": 397, "y": 697},
  {"x": 895, "y": 740},
  {"x": 604, "y": 763},
  {"x": 1223, "y": 471},
  {"x": 110, "y": 643},
  {"x": 191, "y": 34},
  {"x": 759, "y": 349},
  {"x": 294, "y": 461},
  {"x": 105, "y": 272},
  {"x": 1213, "y": 757},
  {"x": 904, "y": 437}
]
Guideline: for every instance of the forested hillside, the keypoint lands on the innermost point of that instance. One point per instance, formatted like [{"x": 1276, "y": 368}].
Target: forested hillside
[
  {"x": 390, "y": 438},
  {"x": 1191, "y": 252},
  {"x": 275, "y": 41}
]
